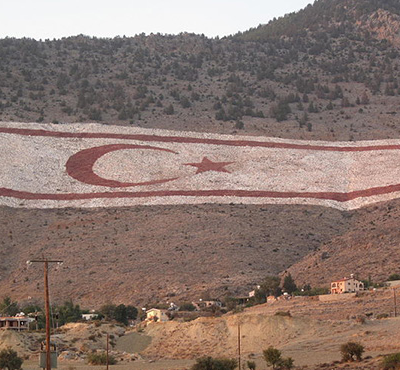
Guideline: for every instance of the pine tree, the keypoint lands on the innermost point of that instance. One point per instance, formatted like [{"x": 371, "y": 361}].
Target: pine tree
[{"x": 289, "y": 285}]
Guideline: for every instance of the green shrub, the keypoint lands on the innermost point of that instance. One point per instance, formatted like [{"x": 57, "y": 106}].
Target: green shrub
[
  {"x": 283, "y": 313},
  {"x": 382, "y": 316},
  {"x": 187, "y": 306},
  {"x": 100, "y": 359},
  {"x": 286, "y": 364},
  {"x": 312, "y": 291},
  {"x": 273, "y": 357},
  {"x": 10, "y": 360},
  {"x": 209, "y": 363},
  {"x": 351, "y": 351},
  {"x": 289, "y": 285},
  {"x": 394, "y": 277},
  {"x": 391, "y": 362},
  {"x": 251, "y": 365}
]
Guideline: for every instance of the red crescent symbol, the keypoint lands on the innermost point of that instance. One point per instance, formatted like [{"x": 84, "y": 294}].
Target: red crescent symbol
[{"x": 80, "y": 165}]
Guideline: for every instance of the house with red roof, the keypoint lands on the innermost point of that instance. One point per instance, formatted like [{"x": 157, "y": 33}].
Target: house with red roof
[{"x": 346, "y": 285}]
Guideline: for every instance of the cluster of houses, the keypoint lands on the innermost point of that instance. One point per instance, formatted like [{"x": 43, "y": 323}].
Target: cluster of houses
[
  {"x": 161, "y": 315},
  {"x": 345, "y": 285}
]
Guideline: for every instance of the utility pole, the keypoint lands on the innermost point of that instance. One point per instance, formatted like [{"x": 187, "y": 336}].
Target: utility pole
[
  {"x": 46, "y": 262},
  {"x": 239, "y": 355},
  {"x": 107, "y": 359},
  {"x": 395, "y": 303}
]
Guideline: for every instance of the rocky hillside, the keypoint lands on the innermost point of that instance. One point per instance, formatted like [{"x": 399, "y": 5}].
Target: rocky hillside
[
  {"x": 142, "y": 255},
  {"x": 149, "y": 254},
  {"x": 334, "y": 79},
  {"x": 369, "y": 248},
  {"x": 341, "y": 18},
  {"x": 311, "y": 335},
  {"x": 329, "y": 72}
]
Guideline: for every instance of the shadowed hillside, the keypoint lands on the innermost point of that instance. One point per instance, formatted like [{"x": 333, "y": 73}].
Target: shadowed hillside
[
  {"x": 158, "y": 253},
  {"x": 151, "y": 253}
]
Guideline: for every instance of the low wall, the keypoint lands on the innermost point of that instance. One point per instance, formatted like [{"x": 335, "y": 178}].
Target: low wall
[
  {"x": 394, "y": 283},
  {"x": 336, "y": 297}
]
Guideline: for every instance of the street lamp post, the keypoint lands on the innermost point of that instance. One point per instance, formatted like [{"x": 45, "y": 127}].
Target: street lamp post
[{"x": 46, "y": 262}]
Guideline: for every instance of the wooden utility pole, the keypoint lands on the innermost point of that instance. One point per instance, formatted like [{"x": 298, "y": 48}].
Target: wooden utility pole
[
  {"x": 395, "y": 302},
  {"x": 47, "y": 311},
  {"x": 46, "y": 262},
  {"x": 239, "y": 354},
  {"x": 107, "y": 359}
]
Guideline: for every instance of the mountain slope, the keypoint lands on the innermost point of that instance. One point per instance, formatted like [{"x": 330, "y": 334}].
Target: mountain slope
[
  {"x": 370, "y": 249},
  {"x": 327, "y": 72},
  {"x": 159, "y": 253},
  {"x": 335, "y": 16},
  {"x": 156, "y": 253}
]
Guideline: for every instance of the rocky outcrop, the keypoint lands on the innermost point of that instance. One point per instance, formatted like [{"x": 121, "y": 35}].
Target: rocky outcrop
[{"x": 382, "y": 25}]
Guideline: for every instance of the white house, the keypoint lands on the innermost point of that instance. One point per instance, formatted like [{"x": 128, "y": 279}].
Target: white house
[{"x": 346, "y": 285}]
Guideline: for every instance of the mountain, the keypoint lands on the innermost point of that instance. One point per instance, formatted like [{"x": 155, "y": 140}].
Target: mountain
[
  {"x": 329, "y": 72},
  {"x": 336, "y": 17}
]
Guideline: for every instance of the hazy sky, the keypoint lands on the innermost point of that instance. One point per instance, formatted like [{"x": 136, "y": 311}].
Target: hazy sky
[{"x": 41, "y": 19}]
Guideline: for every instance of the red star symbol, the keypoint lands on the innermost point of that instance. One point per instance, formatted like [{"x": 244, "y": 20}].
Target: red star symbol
[{"x": 206, "y": 165}]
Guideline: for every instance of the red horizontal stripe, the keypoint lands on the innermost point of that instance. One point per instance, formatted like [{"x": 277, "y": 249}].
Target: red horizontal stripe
[
  {"x": 193, "y": 140},
  {"x": 336, "y": 196}
]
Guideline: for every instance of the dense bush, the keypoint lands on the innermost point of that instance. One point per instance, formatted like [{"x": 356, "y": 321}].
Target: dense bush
[
  {"x": 120, "y": 313},
  {"x": 289, "y": 285},
  {"x": 308, "y": 291},
  {"x": 273, "y": 357},
  {"x": 69, "y": 313},
  {"x": 391, "y": 362},
  {"x": 100, "y": 359},
  {"x": 351, "y": 351},
  {"x": 187, "y": 307},
  {"x": 209, "y": 363},
  {"x": 8, "y": 307},
  {"x": 283, "y": 313},
  {"x": 394, "y": 277},
  {"x": 10, "y": 360},
  {"x": 382, "y": 316}
]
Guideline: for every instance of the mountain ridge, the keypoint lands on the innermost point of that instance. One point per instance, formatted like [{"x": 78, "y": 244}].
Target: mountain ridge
[
  {"x": 337, "y": 82},
  {"x": 335, "y": 16}
]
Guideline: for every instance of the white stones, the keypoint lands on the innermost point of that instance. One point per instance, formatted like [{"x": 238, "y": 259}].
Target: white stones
[{"x": 298, "y": 172}]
